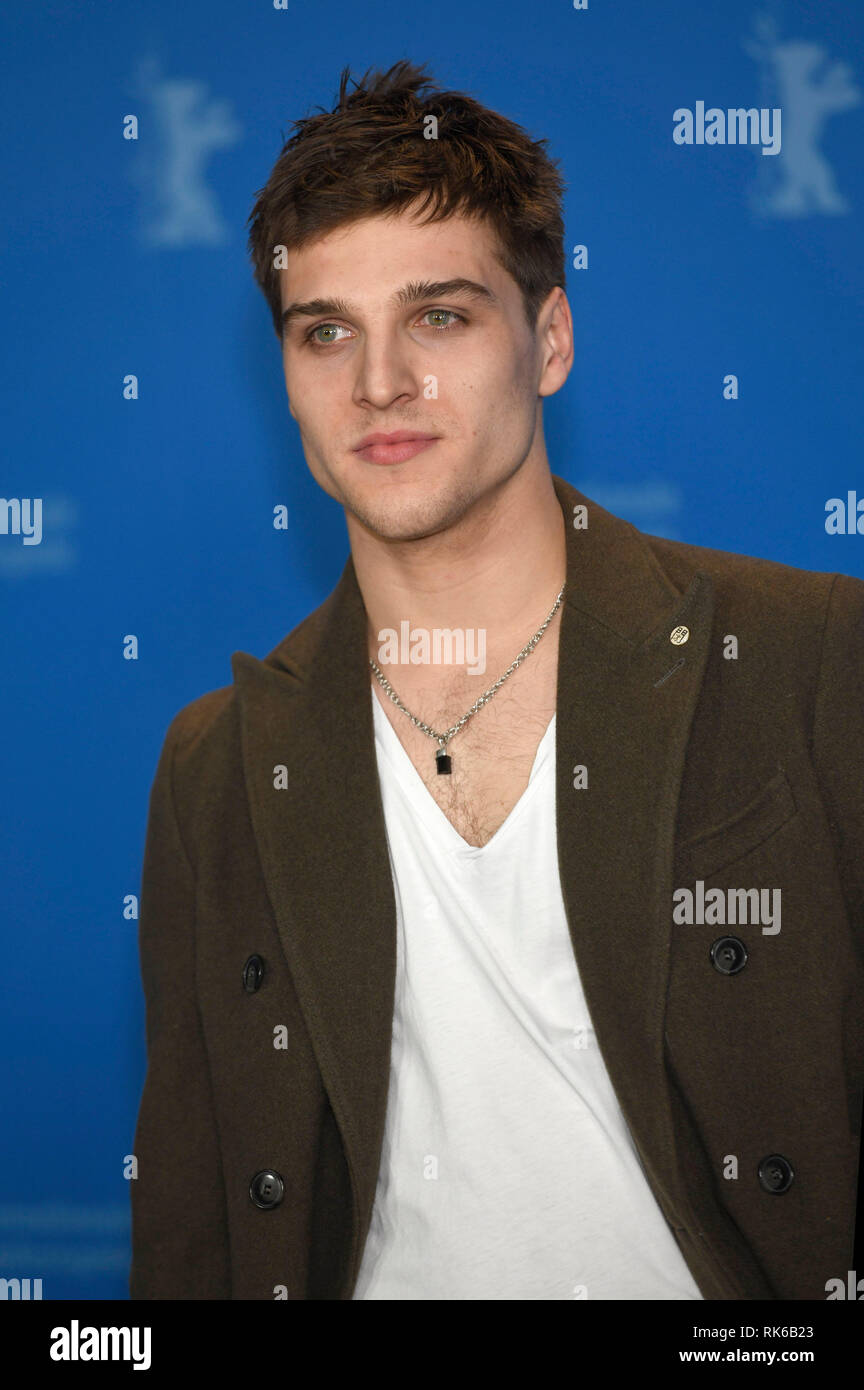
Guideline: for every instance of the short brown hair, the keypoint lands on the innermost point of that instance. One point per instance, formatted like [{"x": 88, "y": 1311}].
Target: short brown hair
[{"x": 369, "y": 156}]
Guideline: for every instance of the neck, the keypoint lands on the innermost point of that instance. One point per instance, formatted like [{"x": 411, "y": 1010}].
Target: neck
[{"x": 497, "y": 570}]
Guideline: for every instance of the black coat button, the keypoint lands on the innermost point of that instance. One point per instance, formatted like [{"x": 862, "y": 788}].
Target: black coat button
[
  {"x": 253, "y": 974},
  {"x": 728, "y": 955},
  {"x": 267, "y": 1189},
  {"x": 775, "y": 1174}
]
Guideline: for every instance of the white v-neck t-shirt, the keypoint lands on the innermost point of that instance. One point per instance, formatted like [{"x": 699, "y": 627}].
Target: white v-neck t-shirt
[{"x": 507, "y": 1169}]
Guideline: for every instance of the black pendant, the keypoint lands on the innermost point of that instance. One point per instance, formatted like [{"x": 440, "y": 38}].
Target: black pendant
[{"x": 442, "y": 761}]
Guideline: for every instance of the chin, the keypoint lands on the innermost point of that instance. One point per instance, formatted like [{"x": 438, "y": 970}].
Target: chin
[
  {"x": 399, "y": 525},
  {"x": 411, "y": 507},
  {"x": 403, "y": 518}
]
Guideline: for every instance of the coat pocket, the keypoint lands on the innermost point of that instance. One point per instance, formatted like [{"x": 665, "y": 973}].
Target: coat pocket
[{"x": 713, "y": 849}]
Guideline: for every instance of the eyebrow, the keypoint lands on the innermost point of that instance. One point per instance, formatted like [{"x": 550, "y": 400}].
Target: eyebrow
[{"x": 411, "y": 293}]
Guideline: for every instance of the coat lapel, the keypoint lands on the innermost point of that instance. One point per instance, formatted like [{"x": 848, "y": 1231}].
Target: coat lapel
[
  {"x": 323, "y": 850},
  {"x": 626, "y": 699},
  {"x": 322, "y": 841}
]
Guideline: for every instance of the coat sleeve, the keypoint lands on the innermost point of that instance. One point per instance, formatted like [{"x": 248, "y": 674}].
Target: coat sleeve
[
  {"x": 838, "y": 739},
  {"x": 179, "y": 1222}
]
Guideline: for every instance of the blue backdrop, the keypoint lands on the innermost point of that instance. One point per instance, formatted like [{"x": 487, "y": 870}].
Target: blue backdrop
[{"x": 704, "y": 262}]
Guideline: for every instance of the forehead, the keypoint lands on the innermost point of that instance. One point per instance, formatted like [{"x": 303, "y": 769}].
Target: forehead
[{"x": 374, "y": 254}]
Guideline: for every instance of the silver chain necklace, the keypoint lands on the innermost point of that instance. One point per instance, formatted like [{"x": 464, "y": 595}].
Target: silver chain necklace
[{"x": 442, "y": 759}]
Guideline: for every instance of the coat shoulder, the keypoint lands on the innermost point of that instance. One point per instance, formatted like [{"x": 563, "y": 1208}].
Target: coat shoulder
[
  {"x": 195, "y": 722},
  {"x": 202, "y": 736},
  {"x": 750, "y": 588},
  {"x": 205, "y": 731}
]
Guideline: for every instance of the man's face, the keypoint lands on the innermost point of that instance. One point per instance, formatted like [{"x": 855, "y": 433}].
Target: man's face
[{"x": 460, "y": 366}]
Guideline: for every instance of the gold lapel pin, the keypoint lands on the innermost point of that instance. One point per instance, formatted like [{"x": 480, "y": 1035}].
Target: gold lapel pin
[{"x": 679, "y": 635}]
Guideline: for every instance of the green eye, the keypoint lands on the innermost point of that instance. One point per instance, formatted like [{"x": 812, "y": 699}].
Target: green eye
[
  {"x": 333, "y": 328},
  {"x": 319, "y": 327},
  {"x": 451, "y": 312}
]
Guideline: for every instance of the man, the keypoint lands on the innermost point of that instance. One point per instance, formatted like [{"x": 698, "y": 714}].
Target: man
[{"x": 532, "y": 974}]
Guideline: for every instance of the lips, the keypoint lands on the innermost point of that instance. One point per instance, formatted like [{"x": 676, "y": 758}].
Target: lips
[
  {"x": 396, "y": 437},
  {"x": 396, "y": 447}
]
